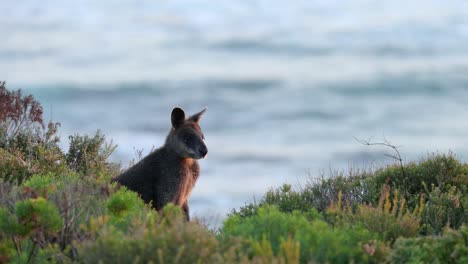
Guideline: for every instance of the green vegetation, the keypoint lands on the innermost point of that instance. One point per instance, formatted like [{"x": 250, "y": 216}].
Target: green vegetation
[{"x": 58, "y": 206}]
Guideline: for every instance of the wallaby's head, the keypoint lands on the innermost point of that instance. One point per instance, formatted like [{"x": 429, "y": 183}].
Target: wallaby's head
[{"x": 186, "y": 137}]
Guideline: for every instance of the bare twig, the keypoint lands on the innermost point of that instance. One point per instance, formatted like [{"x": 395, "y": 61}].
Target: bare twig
[{"x": 395, "y": 156}]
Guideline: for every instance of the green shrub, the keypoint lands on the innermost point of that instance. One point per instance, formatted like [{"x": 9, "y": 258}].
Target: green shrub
[
  {"x": 318, "y": 242},
  {"x": 124, "y": 202},
  {"x": 451, "y": 247},
  {"x": 43, "y": 184},
  {"x": 12, "y": 168},
  {"x": 123, "y": 206},
  {"x": 285, "y": 199},
  {"x": 356, "y": 188},
  {"x": 360, "y": 188},
  {"x": 48, "y": 161},
  {"x": 77, "y": 200},
  {"x": 269, "y": 223},
  {"x": 390, "y": 219},
  {"x": 249, "y": 209},
  {"x": 88, "y": 155},
  {"x": 156, "y": 239},
  {"x": 6, "y": 251},
  {"x": 49, "y": 254},
  {"x": 37, "y": 214},
  {"x": 445, "y": 209},
  {"x": 32, "y": 225},
  {"x": 440, "y": 170},
  {"x": 27, "y": 145},
  {"x": 15, "y": 167}
]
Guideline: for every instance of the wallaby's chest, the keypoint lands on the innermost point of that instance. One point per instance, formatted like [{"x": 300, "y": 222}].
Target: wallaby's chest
[
  {"x": 178, "y": 172},
  {"x": 179, "y": 180},
  {"x": 187, "y": 174}
]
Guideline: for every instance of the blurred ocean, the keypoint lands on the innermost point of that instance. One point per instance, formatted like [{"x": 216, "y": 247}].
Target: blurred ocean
[{"x": 288, "y": 84}]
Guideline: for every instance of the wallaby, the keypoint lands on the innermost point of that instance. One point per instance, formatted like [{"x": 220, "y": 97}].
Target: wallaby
[{"x": 168, "y": 174}]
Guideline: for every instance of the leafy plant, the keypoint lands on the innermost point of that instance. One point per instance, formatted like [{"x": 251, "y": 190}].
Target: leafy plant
[
  {"x": 25, "y": 136},
  {"x": 157, "y": 239},
  {"x": 445, "y": 209},
  {"x": 43, "y": 184},
  {"x": 88, "y": 155},
  {"x": 12, "y": 167},
  {"x": 318, "y": 242},
  {"x": 77, "y": 200},
  {"x": 451, "y": 247},
  {"x": 123, "y": 206},
  {"x": 30, "y": 227},
  {"x": 21, "y": 123},
  {"x": 390, "y": 219}
]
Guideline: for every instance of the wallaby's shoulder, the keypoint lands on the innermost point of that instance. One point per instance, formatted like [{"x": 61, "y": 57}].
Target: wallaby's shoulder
[{"x": 148, "y": 166}]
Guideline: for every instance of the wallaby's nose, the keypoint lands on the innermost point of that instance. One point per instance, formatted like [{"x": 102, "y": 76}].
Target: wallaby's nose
[{"x": 203, "y": 151}]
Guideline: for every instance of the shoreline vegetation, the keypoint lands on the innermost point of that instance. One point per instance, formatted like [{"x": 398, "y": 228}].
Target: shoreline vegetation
[{"x": 59, "y": 206}]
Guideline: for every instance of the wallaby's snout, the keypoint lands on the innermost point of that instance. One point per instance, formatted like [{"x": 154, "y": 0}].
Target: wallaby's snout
[{"x": 203, "y": 150}]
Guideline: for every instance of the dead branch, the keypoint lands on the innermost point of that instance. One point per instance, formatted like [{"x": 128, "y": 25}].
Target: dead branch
[{"x": 395, "y": 156}]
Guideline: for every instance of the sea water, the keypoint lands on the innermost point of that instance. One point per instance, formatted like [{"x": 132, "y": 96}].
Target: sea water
[{"x": 289, "y": 85}]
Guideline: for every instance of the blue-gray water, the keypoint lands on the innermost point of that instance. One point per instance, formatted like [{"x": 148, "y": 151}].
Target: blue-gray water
[{"x": 288, "y": 84}]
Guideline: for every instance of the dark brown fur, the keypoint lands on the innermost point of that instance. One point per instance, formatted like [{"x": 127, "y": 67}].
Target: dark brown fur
[{"x": 168, "y": 174}]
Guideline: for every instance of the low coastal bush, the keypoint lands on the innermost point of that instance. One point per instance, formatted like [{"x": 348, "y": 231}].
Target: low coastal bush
[
  {"x": 447, "y": 208},
  {"x": 313, "y": 239},
  {"x": 150, "y": 238},
  {"x": 438, "y": 184},
  {"x": 389, "y": 219},
  {"x": 12, "y": 167},
  {"x": 451, "y": 247},
  {"x": 28, "y": 228},
  {"x": 61, "y": 207},
  {"x": 88, "y": 156},
  {"x": 29, "y": 146}
]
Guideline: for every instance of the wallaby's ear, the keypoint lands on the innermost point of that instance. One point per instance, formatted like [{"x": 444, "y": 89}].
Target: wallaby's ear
[
  {"x": 177, "y": 117},
  {"x": 196, "y": 117}
]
